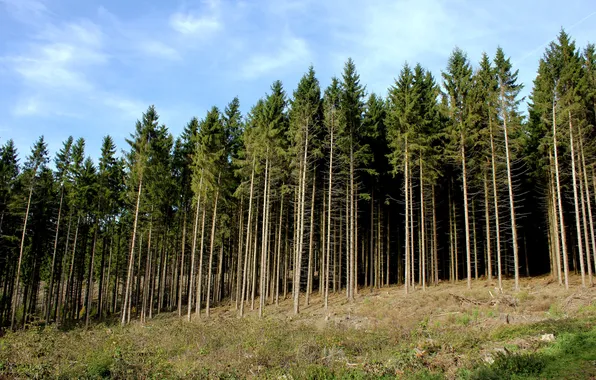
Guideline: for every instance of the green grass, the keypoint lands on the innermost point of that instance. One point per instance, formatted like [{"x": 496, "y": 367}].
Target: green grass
[{"x": 572, "y": 356}]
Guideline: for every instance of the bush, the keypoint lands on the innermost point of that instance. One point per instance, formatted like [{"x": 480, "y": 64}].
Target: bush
[
  {"x": 507, "y": 366},
  {"x": 100, "y": 367}
]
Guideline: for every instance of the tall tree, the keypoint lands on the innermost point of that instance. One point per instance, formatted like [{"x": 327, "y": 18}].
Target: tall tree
[
  {"x": 457, "y": 80},
  {"x": 35, "y": 163}
]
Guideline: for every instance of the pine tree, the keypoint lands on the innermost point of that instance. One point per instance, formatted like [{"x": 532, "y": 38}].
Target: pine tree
[
  {"x": 507, "y": 105},
  {"x": 355, "y": 153},
  {"x": 305, "y": 120},
  {"x": 458, "y": 82},
  {"x": 35, "y": 163}
]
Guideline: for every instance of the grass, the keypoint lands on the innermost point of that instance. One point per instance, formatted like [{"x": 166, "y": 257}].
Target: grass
[
  {"x": 572, "y": 356},
  {"x": 424, "y": 335}
]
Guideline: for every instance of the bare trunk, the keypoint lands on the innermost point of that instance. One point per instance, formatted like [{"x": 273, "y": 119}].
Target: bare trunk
[
  {"x": 239, "y": 260},
  {"x": 576, "y": 204},
  {"x": 15, "y": 293},
  {"x": 52, "y": 274},
  {"x": 300, "y": 230},
  {"x": 488, "y": 238},
  {"x": 352, "y": 231},
  {"x": 407, "y": 224},
  {"x": 435, "y": 242},
  {"x": 264, "y": 239},
  {"x": 247, "y": 245},
  {"x": 328, "y": 245},
  {"x": 475, "y": 241},
  {"x": 560, "y": 202},
  {"x": 181, "y": 273},
  {"x": 127, "y": 299},
  {"x": 422, "y": 228},
  {"x": 191, "y": 279},
  {"x": 211, "y": 248},
  {"x": 279, "y": 244},
  {"x": 589, "y": 207},
  {"x": 511, "y": 204},
  {"x": 90, "y": 278},
  {"x": 466, "y": 212},
  {"x": 496, "y": 204},
  {"x": 309, "y": 278},
  {"x": 555, "y": 216},
  {"x": 199, "y": 292}
]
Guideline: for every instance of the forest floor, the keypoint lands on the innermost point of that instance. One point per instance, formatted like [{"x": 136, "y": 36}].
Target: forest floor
[{"x": 448, "y": 331}]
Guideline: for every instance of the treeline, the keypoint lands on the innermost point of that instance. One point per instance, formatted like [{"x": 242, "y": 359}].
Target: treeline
[{"x": 318, "y": 191}]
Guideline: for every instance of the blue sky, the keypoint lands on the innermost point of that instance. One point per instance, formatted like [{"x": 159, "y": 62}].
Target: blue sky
[{"x": 90, "y": 68}]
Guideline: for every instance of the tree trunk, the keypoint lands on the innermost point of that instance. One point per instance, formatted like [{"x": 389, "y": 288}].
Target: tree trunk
[
  {"x": 511, "y": 204},
  {"x": 131, "y": 259},
  {"x": 475, "y": 241},
  {"x": 466, "y": 216},
  {"x": 212, "y": 244},
  {"x": 589, "y": 207},
  {"x": 90, "y": 278},
  {"x": 247, "y": 245},
  {"x": 496, "y": 204},
  {"x": 352, "y": 230},
  {"x": 264, "y": 238},
  {"x": 300, "y": 230},
  {"x": 422, "y": 227},
  {"x": 181, "y": 273},
  {"x": 435, "y": 241},
  {"x": 15, "y": 294},
  {"x": 555, "y": 216},
  {"x": 279, "y": 244},
  {"x": 407, "y": 224},
  {"x": 560, "y": 202},
  {"x": 52, "y": 274},
  {"x": 576, "y": 204},
  {"x": 309, "y": 279},
  {"x": 199, "y": 293},
  {"x": 488, "y": 238},
  {"x": 191, "y": 279}
]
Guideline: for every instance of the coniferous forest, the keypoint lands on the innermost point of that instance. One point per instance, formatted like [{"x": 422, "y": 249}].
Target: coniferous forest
[{"x": 314, "y": 191}]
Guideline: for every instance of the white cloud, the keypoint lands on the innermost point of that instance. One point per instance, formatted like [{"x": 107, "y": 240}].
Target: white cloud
[
  {"x": 189, "y": 24},
  {"x": 292, "y": 50},
  {"x": 59, "y": 56},
  {"x": 381, "y": 35},
  {"x": 129, "y": 108},
  {"x": 27, "y": 107},
  {"x": 25, "y": 10},
  {"x": 159, "y": 49},
  {"x": 61, "y": 69}
]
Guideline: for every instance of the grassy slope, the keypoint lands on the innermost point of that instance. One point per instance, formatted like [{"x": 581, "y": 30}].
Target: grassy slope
[{"x": 431, "y": 334}]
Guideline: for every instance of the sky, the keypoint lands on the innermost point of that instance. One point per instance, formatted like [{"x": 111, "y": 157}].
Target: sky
[{"x": 91, "y": 68}]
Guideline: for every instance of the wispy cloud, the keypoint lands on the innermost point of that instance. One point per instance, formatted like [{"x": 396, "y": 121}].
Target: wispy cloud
[
  {"x": 159, "y": 49},
  {"x": 291, "y": 51},
  {"x": 61, "y": 66},
  {"x": 190, "y": 24},
  {"x": 26, "y": 107},
  {"x": 130, "y": 109},
  {"x": 382, "y": 35},
  {"x": 25, "y": 10}
]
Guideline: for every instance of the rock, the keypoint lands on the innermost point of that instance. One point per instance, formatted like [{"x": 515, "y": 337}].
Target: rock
[
  {"x": 488, "y": 358},
  {"x": 547, "y": 338}
]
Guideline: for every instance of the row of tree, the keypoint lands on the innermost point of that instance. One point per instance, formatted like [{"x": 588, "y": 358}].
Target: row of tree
[{"x": 317, "y": 192}]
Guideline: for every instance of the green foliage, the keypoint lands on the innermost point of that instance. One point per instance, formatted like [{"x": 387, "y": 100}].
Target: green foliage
[{"x": 510, "y": 366}]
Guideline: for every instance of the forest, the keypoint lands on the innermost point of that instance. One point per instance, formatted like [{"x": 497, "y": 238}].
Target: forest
[{"x": 314, "y": 191}]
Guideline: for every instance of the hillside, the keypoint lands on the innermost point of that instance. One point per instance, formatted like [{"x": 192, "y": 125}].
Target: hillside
[{"x": 444, "y": 332}]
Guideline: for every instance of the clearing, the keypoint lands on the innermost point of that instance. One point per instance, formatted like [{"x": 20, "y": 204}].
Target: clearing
[{"x": 541, "y": 331}]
